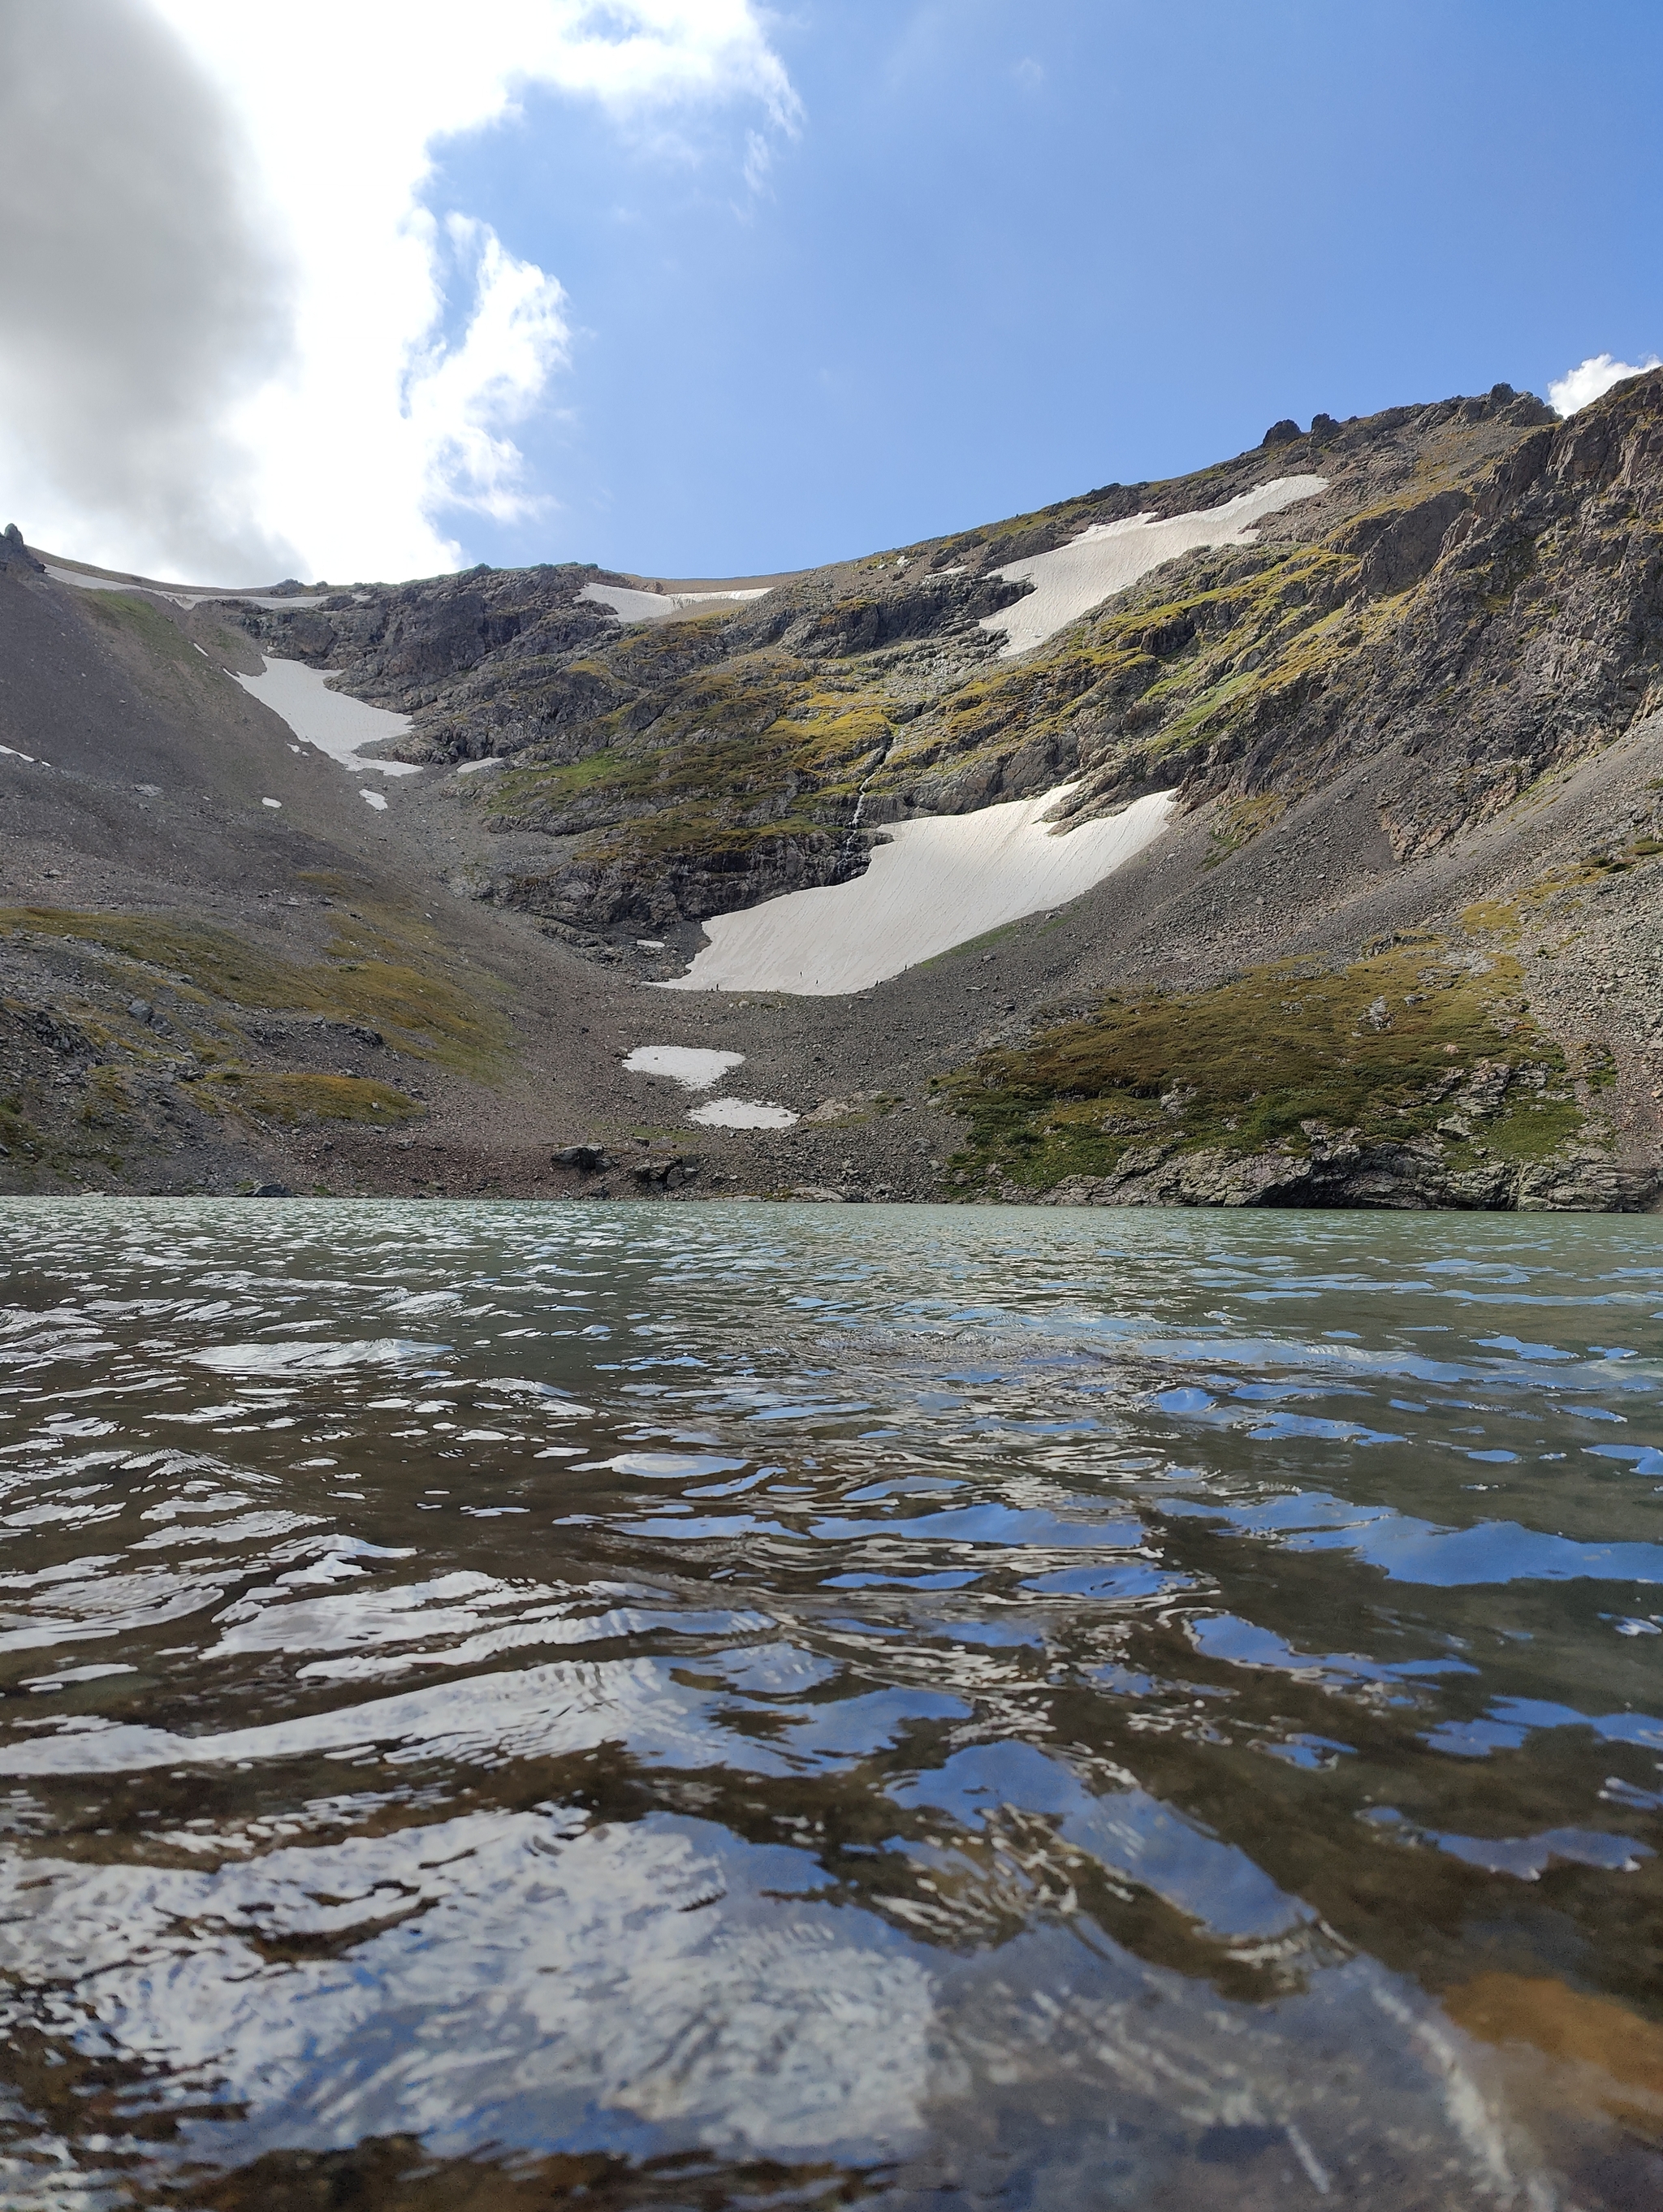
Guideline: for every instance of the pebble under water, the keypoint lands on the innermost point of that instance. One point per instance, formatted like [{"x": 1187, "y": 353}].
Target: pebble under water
[{"x": 507, "y": 1706}]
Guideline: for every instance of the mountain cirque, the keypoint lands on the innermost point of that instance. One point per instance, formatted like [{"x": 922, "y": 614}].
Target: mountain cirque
[{"x": 1399, "y": 944}]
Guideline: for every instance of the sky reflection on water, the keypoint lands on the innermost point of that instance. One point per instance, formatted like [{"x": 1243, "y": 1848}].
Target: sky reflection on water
[{"x": 966, "y": 1707}]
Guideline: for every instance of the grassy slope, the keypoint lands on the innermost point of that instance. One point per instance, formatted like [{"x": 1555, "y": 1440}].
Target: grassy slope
[
  {"x": 1272, "y": 1059},
  {"x": 383, "y": 969},
  {"x": 1403, "y": 1046},
  {"x": 365, "y": 976}
]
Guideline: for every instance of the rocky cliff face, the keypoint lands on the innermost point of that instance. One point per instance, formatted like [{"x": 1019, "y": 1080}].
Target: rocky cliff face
[
  {"x": 1490, "y": 618},
  {"x": 705, "y": 764},
  {"x": 418, "y": 647}
]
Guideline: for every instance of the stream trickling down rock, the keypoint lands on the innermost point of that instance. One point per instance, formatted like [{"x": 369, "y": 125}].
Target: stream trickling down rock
[{"x": 743, "y": 1704}]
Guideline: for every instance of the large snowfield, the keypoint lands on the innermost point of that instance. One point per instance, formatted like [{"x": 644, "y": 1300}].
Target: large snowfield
[
  {"x": 1104, "y": 559},
  {"x": 938, "y": 883}
]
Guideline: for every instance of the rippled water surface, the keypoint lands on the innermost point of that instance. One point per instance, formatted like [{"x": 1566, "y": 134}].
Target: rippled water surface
[{"x": 507, "y": 1706}]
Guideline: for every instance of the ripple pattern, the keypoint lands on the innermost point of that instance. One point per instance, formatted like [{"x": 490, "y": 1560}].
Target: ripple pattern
[{"x": 927, "y": 1707}]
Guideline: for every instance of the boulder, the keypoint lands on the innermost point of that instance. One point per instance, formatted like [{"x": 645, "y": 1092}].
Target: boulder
[
  {"x": 588, "y": 1159},
  {"x": 15, "y": 554}
]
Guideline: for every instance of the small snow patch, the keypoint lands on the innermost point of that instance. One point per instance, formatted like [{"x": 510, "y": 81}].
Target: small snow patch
[
  {"x": 277, "y": 803},
  {"x": 687, "y": 1064},
  {"x": 12, "y": 753},
  {"x": 472, "y": 768},
  {"x": 182, "y": 595},
  {"x": 659, "y": 606},
  {"x": 336, "y": 724},
  {"x": 376, "y": 799},
  {"x": 742, "y": 1114},
  {"x": 75, "y": 1675}
]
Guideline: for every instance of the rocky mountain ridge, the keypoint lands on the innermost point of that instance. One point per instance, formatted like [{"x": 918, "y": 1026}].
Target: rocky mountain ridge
[{"x": 713, "y": 762}]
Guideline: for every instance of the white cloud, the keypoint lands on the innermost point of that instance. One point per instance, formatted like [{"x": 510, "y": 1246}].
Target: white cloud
[
  {"x": 385, "y": 422},
  {"x": 1591, "y": 378},
  {"x": 141, "y": 297},
  {"x": 462, "y": 398},
  {"x": 411, "y": 341}
]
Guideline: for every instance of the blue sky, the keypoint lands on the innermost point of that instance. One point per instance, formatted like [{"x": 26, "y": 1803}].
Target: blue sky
[
  {"x": 717, "y": 287},
  {"x": 1016, "y": 251}
]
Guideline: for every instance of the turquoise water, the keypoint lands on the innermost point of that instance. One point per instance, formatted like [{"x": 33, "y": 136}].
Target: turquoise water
[{"x": 722, "y": 1705}]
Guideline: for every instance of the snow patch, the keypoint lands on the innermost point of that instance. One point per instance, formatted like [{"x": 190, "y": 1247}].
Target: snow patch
[
  {"x": 687, "y": 1064},
  {"x": 659, "y": 606},
  {"x": 1109, "y": 555},
  {"x": 330, "y": 720},
  {"x": 742, "y": 1114},
  {"x": 376, "y": 799},
  {"x": 187, "y": 595},
  {"x": 77, "y": 1674},
  {"x": 938, "y": 883},
  {"x": 272, "y": 802},
  {"x": 472, "y": 768}
]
